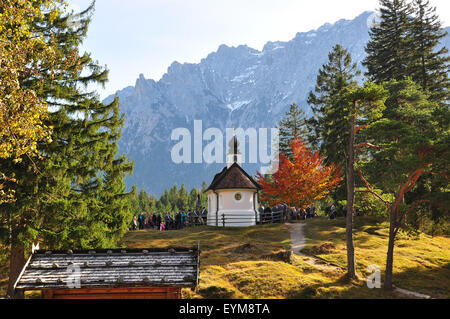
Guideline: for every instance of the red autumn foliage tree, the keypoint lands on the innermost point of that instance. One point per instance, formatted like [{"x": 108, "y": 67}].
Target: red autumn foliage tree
[{"x": 301, "y": 181}]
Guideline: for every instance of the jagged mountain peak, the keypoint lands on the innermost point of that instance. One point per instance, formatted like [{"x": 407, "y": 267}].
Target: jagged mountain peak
[{"x": 233, "y": 86}]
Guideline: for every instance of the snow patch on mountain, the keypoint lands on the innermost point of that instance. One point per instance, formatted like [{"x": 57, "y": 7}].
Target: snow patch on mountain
[
  {"x": 234, "y": 86},
  {"x": 236, "y": 105}
]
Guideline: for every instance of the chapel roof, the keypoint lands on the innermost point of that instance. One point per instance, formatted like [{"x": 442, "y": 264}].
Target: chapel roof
[{"x": 232, "y": 178}]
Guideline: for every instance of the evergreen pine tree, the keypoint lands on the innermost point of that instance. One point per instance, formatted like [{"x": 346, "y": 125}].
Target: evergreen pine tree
[
  {"x": 366, "y": 105},
  {"x": 292, "y": 125},
  {"x": 193, "y": 198},
  {"x": 408, "y": 146},
  {"x": 134, "y": 201},
  {"x": 164, "y": 199},
  {"x": 144, "y": 201},
  {"x": 422, "y": 59},
  {"x": 173, "y": 196},
  {"x": 183, "y": 198},
  {"x": 330, "y": 123},
  {"x": 388, "y": 51},
  {"x": 77, "y": 199},
  {"x": 429, "y": 64},
  {"x": 203, "y": 195}
]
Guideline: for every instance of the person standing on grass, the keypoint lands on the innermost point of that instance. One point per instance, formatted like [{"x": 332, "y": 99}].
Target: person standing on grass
[
  {"x": 154, "y": 219},
  {"x": 147, "y": 220},
  {"x": 134, "y": 222},
  {"x": 267, "y": 213},
  {"x": 158, "y": 221},
  {"x": 205, "y": 215},
  {"x": 189, "y": 217},
  {"x": 140, "y": 221},
  {"x": 195, "y": 213},
  {"x": 171, "y": 222},
  {"x": 178, "y": 220},
  {"x": 166, "y": 221},
  {"x": 183, "y": 219},
  {"x": 200, "y": 217},
  {"x": 261, "y": 213},
  {"x": 332, "y": 212}
]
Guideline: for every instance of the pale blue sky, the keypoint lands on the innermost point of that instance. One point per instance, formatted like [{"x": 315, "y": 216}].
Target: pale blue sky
[{"x": 146, "y": 36}]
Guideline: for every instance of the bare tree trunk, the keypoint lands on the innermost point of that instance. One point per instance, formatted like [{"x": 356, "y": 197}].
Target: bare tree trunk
[
  {"x": 16, "y": 263},
  {"x": 388, "y": 285},
  {"x": 350, "y": 201}
]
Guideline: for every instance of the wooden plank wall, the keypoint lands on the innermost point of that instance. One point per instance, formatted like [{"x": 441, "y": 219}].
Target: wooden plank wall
[{"x": 114, "y": 293}]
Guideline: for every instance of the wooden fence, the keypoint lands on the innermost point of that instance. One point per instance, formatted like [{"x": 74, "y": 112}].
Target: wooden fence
[
  {"x": 271, "y": 218},
  {"x": 263, "y": 218},
  {"x": 201, "y": 219}
]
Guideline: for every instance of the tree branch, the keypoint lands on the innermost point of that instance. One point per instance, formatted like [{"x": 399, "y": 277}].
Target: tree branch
[
  {"x": 412, "y": 180},
  {"x": 368, "y": 145},
  {"x": 402, "y": 216},
  {"x": 357, "y": 129},
  {"x": 370, "y": 190}
]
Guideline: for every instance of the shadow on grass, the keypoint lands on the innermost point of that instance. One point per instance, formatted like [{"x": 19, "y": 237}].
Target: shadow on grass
[
  {"x": 216, "y": 292},
  {"x": 434, "y": 282},
  {"x": 342, "y": 288}
]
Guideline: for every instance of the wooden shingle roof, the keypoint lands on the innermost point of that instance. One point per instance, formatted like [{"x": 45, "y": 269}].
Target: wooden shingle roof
[
  {"x": 176, "y": 267},
  {"x": 233, "y": 177}
]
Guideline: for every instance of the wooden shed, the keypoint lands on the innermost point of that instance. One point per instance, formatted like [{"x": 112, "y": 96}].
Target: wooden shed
[{"x": 114, "y": 273}]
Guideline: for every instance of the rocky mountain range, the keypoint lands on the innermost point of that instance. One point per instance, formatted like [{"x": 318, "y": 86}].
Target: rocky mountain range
[{"x": 234, "y": 86}]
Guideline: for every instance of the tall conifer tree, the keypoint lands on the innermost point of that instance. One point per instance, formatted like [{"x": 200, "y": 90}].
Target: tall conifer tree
[
  {"x": 77, "y": 199},
  {"x": 366, "y": 105},
  {"x": 422, "y": 58},
  {"x": 407, "y": 147},
  {"x": 330, "y": 124},
  {"x": 291, "y": 126},
  {"x": 388, "y": 51},
  {"x": 183, "y": 198},
  {"x": 429, "y": 64}
]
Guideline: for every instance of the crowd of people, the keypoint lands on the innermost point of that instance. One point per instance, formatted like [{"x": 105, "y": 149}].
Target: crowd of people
[
  {"x": 332, "y": 212},
  {"x": 282, "y": 213},
  {"x": 169, "y": 221},
  {"x": 276, "y": 214}
]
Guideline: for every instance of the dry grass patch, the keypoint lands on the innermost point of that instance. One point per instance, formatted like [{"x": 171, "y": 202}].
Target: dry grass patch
[
  {"x": 219, "y": 246},
  {"x": 254, "y": 262},
  {"x": 421, "y": 263}
]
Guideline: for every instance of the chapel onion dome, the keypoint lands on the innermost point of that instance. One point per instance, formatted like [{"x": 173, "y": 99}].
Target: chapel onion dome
[{"x": 233, "y": 146}]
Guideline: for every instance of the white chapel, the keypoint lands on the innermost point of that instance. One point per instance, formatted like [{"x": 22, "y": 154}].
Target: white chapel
[{"x": 233, "y": 194}]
